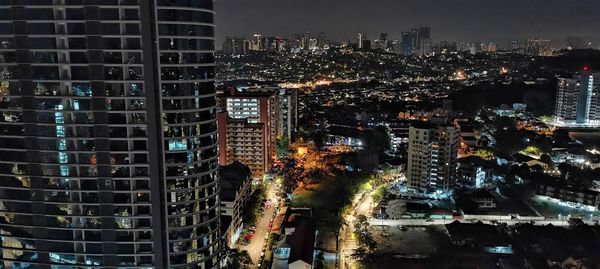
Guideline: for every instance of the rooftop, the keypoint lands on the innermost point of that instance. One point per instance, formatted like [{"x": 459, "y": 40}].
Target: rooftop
[
  {"x": 233, "y": 178},
  {"x": 302, "y": 242}
]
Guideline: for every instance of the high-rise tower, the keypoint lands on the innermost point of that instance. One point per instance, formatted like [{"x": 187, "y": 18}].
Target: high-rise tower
[
  {"x": 578, "y": 101},
  {"x": 432, "y": 157},
  {"x": 108, "y": 137}
]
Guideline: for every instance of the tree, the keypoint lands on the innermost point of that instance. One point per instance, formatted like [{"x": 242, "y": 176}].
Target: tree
[
  {"x": 362, "y": 256},
  {"x": 363, "y": 233},
  {"x": 509, "y": 141},
  {"x": 378, "y": 139},
  {"x": 283, "y": 146},
  {"x": 238, "y": 259},
  {"x": 545, "y": 158},
  {"x": 538, "y": 102},
  {"x": 379, "y": 193},
  {"x": 504, "y": 123},
  {"x": 291, "y": 174},
  {"x": 255, "y": 203},
  {"x": 273, "y": 239}
]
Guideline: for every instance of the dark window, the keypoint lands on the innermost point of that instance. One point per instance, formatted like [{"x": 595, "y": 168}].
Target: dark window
[
  {"x": 75, "y": 14},
  {"x": 6, "y": 28},
  {"x": 39, "y": 14}
]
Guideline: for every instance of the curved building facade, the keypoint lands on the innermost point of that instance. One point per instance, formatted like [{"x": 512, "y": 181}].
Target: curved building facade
[{"x": 108, "y": 137}]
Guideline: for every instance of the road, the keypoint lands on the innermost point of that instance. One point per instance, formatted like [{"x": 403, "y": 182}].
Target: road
[
  {"x": 256, "y": 246},
  {"x": 361, "y": 205},
  {"x": 424, "y": 222}
]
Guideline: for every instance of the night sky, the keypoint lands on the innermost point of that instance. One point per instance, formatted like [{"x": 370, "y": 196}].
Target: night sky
[{"x": 459, "y": 20}]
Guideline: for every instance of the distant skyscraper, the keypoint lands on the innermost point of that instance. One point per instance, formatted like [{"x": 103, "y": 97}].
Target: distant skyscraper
[
  {"x": 366, "y": 44},
  {"x": 108, "y": 144},
  {"x": 578, "y": 101},
  {"x": 321, "y": 40},
  {"x": 257, "y": 43},
  {"x": 538, "y": 47},
  {"x": 306, "y": 41},
  {"x": 382, "y": 42},
  {"x": 516, "y": 46},
  {"x": 383, "y": 36},
  {"x": 406, "y": 43},
  {"x": 448, "y": 47},
  {"x": 424, "y": 41},
  {"x": 417, "y": 41},
  {"x": 234, "y": 46},
  {"x": 432, "y": 154},
  {"x": 360, "y": 39},
  {"x": 488, "y": 47}
]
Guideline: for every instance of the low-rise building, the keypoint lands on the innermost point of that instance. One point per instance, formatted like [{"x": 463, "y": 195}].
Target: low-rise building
[
  {"x": 236, "y": 181},
  {"x": 474, "y": 172},
  {"x": 346, "y": 136},
  {"x": 570, "y": 195},
  {"x": 468, "y": 138},
  {"x": 576, "y": 156},
  {"x": 483, "y": 198},
  {"x": 398, "y": 132},
  {"x": 296, "y": 247}
]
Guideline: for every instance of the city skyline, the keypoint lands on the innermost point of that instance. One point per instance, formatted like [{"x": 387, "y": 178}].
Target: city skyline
[
  {"x": 325, "y": 134},
  {"x": 464, "y": 20}
]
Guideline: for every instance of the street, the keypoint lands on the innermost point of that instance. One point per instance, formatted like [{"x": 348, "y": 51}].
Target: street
[
  {"x": 425, "y": 222},
  {"x": 256, "y": 246},
  {"x": 361, "y": 206}
]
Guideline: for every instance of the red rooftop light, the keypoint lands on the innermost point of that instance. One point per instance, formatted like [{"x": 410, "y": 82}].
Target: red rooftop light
[{"x": 586, "y": 68}]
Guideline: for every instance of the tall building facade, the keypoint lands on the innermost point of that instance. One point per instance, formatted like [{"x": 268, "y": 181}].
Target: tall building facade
[
  {"x": 417, "y": 41},
  {"x": 235, "y": 46},
  {"x": 108, "y": 135},
  {"x": 578, "y": 101},
  {"x": 538, "y": 47},
  {"x": 248, "y": 127},
  {"x": 287, "y": 111},
  {"x": 360, "y": 38},
  {"x": 432, "y": 155},
  {"x": 243, "y": 142}
]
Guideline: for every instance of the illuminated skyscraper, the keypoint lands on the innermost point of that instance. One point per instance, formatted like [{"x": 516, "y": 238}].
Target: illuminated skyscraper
[
  {"x": 249, "y": 129},
  {"x": 578, "y": 101},
  {"x": 360, "y": 39},
  {"x": 108, "y": 137},
  {"x": 432, "y": 154}
]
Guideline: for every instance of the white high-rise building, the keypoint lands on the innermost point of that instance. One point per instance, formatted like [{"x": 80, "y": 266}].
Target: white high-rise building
[
  {"x": 578, "y": 101},
  {"x": 360, "y": 38},
  {"x": 432, "y": 154}
]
